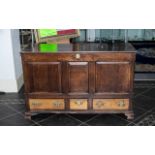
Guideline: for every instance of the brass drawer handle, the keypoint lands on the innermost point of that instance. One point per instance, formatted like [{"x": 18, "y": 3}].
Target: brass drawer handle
[
  {"x": 57, "y": 104},
  {"x": 79, "y": 103},
  {"x": 99, "y": 104},
  {"x": 121, "y": 103},
  {"x": 36, "y": 104},
  {"x": 77, "y": 56}
]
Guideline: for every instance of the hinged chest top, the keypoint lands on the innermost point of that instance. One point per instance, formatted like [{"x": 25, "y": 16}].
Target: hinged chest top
[{"x": 110, "y": 47}]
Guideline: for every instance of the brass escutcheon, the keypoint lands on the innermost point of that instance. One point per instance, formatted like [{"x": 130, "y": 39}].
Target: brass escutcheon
[
  {"x": 57, "y": 104},
  {"x": 77, "y": 56},
  {"x": 121, "y": 103},
  {"x": 79, "y": 103},
  {"x": 99, "y": 104}
]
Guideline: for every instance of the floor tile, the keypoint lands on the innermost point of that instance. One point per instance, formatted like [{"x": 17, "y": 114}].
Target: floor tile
[
  {"x": 82, "y": 117},
  {"x": 137, "y": 113},
  {"x": 107, "y": 120},
  {"x": 150, "y": 93},
  {"x": 17, "y": 107},
  {"x": 138, "y": 91},
  {"x": 41, "y": 117},
  {"x": 12, "y": 96},
  {"x": 146, "y": 120},
  {"x": 84, "y": 124},
  {"x": 60, "y": 120},
  {"x": 15, "y": 120},
  {"x": 144, "y": 102},
  {"x": 131, "y": 124},
  {"x": 5, "y": 111}
]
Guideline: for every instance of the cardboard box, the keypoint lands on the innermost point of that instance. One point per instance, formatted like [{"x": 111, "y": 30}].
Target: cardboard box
[{"x": 55, "y": 35}]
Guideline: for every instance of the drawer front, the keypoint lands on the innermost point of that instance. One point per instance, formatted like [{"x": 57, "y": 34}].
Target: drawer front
[
  {"x": 78, "y": 104},
  {"x": 110, "y": 104},
  {"x": 46, "y": 104}
]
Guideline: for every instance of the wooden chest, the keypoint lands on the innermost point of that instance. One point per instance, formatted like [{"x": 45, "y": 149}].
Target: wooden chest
[{"x": 80, "y": 78}]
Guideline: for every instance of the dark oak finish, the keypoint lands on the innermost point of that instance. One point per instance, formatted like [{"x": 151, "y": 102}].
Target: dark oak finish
[
  {"x": 118, "y": 73},
  {"x": 48, "y": 73},
  {"x": 78, "y": 71},
  {"x": 81, "y": 74}
]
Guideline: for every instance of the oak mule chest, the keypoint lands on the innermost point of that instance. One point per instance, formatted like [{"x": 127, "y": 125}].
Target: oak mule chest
[{"x": 80, "y": 78}]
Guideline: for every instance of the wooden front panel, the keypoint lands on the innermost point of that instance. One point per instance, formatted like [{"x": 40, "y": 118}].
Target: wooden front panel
[
  {"x": 112, "y": 77},
  {"x": 111, "y": 104},
  {"x": 78, "y": 77},
  {"x": 46, "y": 104},
  {"x": 78, "y": 104},
  {"x": 44, "y": 77}
]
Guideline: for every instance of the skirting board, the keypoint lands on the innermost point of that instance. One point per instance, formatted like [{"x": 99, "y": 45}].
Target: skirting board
[{"x": 11, "y": 85}]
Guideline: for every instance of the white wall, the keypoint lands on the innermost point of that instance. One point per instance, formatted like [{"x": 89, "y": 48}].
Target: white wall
[
  {"x": 10, "y": 64},
  {"x": 16, "y": 55}
]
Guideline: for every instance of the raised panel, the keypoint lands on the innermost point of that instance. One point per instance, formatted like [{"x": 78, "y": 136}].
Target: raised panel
[
  {"x": 45, "y": 77},
  {"x": 78, "y": 77},
  {"x": 113, "y": 77}
]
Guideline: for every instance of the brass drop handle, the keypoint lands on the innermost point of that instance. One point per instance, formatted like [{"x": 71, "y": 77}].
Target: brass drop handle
[
  {"x": 100, "y": 104},
  {"x": 57, "y": 104},
  {"x": 79, "y": 103},
  {"x": 121, "y": 103},
  {"x": 77, "y": 56}
]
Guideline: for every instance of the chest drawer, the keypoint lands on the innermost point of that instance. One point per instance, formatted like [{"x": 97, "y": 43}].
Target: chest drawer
[
  {"x": 110, "y": 104},
  {"x": 78, "y": 104},
  {"x": 46, "y": 104}
]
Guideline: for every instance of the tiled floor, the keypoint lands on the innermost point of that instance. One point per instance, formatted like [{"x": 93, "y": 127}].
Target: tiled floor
[{"x": 12, "y": 110}]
